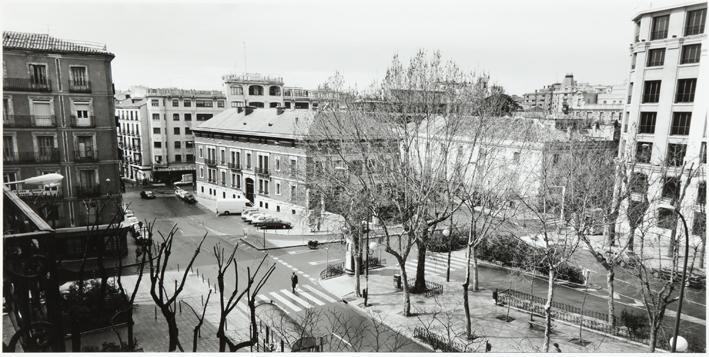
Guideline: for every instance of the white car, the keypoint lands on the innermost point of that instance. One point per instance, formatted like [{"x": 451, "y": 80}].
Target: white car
[
  {"x": 261, "y": 218},
  {"x": 180, "y": 193},
  {"x": 248, "y": 213},
  {"x": 255, "y": 216}
]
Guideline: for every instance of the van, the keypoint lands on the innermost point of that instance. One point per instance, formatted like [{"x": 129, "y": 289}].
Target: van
[{"x": 232, "y": 206}]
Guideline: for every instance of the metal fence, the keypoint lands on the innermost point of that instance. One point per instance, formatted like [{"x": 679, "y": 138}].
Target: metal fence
[
  {"x": 437, "y": 342},
  {"x": 592, "y": 320},
  {"x": 333, "y": 270},
  {"x": 431, "y": 287}
]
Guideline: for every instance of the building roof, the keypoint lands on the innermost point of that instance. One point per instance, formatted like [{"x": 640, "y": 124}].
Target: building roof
[
  {"x": 178, "y": 92},
  {"x": 47, "y": 43},
  {"x": 130, "y": 103},
  {"x": 651, "y": 9},
  {"x": 265, "y": 122}
]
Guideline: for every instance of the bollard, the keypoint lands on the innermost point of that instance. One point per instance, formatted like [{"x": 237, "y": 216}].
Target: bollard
[
  {"x": 155, "y": 308},
  {"x": 282, "y": 346},
  {"x": 180, "y": 307},
  {"x": 178, "y": 268},
  {"x": 202, "y": 299}
]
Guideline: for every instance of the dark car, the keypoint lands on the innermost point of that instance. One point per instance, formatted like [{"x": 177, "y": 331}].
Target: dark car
[
  {"x": 147, "y": 195},
  {"x": 273, "y": 223},
  {"x": 189, "y": 198}
]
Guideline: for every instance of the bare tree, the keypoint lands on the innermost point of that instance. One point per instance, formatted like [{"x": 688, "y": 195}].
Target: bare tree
[
  {"x": 158, "y": 259},
  {"x": 200, "y": 319}
]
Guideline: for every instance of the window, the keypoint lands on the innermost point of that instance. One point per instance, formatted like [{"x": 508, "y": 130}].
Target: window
[
  {"x": 176, "y": 131},
  {"x": 237, "y": 90},
  {"x": 273, "y": 105},
  {"x": 82, "y": 113},
  {"x": 703, "y": 153},
  {"x": 695, "y": 22},
  {"x": 158, "y": 158},
  {"x": 278, "y": 164},
  {"x": 220, "y": 104},
  {"x": 187, "y": 103},
  {"x": 702, "y": 192},
  {"x": 685, "y": 90},
  {"x": 690, "y": 53},
  {"x": 659, "y": 27},
  {"x": 680, "y": 123},
  {"x": 256, "y": 104},
  {"x": 178, "y": 158},
  {"x": 84, "y": 146},
  {"x": 201, "y": 152},
  {"x": 671, "y": 188},
  {"x": 87, "y": 179},
  {"x": 656, "y": 57},
  {"x": 238, "y": 181},
  {"x": 156, "y": 130},
  {"x": 638, "y": 182},
  {"x": 201, "y": 172},
  {"x": 178, "y": 144},
  {"x": 188, "y": 117},
  {"x": 237, "y": 104},
  {"x": 293, "y": 167},
  {"x": 155, "y": 102},
  {"x": 78, "y": 76},
  {"x": 293, "y": 193},
  {"x": 189, "y": 158},
  {"x": 175, "y": 103},
  {"x": 203, "y": 117},
  {"x": 630, "y": 92},
  {"x": 633, "y": 61},
  {"x": 278, "y": 188},
  {"x": 665, "y": 218},
  {"x": 248, "y": 160},
  {"x": 38, "y": 74},
  {"x": 651, "y": 93},
  {"x": 675, "y": 154},
  {"x": 156, "y": 116},
  {"x": 157, "y": 144},
  {"x": 255, "y": 90},
  {"x": 176, "y": 117},
  {"x": 188, "y": 131},
  {"x": 203, "y": 104},
  {"x": 274, "y": 90},
  {"x": 647, "y": 122},
  {"x": 223, "y": 178},
  {"x": 515, "y": 157},
  {"x": 644, "y": 152}
]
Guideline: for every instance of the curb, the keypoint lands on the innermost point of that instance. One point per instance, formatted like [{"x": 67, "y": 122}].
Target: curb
[
  {"x": 564, "y": 283},
  {"x": 261, "y": 248},
  {"x": 364, "y": 311}
]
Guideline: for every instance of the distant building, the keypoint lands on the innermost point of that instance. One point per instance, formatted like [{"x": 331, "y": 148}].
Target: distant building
[
  {"x": 58, "y": 116},
  {"x": 263, "y": 91},
  {"x": 665, "y": 125},
  {"x": 564, "y": 97},
  {"x": 157, "y": 141}
]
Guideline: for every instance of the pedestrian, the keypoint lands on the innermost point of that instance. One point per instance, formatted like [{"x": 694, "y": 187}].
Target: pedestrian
[
  {"x": 556, "y": 347},
  {"x": 495, "y": 296},
  {"x": 294, "y": 281},
  {"x": 488, "y": 346}
]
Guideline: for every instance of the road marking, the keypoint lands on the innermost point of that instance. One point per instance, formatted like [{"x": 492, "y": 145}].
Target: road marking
[
  {"x": 284, "y": 301},
  {"x": 310, "y": 297},
  {"x": 306, "y": 275},
  {"x": 264, "y": 298},
  {"x": 299, "y": 252},
  {"x": 286, "y": 264},
  {"x": 292, "y": 296},
  {"x": 413, "y": 265},
  {"x": 444, "y": 261},
  {"x": 342, "y": 339},
  {"x": 319, "y": 293}
]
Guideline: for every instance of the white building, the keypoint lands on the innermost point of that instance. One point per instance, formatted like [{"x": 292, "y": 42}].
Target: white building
[
  {"x": 263, "y": 91},
  {"x": 665, "y": 125}
]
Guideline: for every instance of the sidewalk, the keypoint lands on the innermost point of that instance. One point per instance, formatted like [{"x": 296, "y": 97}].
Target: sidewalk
[{"x": 445, "y": 316}]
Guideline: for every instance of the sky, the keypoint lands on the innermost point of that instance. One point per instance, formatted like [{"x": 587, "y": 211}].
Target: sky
[{"x": 522, "y": 44}]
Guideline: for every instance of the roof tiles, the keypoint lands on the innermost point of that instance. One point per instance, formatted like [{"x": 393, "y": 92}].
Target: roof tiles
[{"x": 47, "y": 43}]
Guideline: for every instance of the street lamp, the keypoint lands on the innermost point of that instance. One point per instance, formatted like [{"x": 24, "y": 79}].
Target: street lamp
[
  {"x": 680, "y": 346},
  {"x": 366, "y": 265},
  {"x": 47, "y": 179},
  {"x": 446, "y": 233}
]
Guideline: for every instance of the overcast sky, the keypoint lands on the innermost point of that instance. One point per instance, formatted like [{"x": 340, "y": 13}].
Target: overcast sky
[{"x": 522, "y": 44}]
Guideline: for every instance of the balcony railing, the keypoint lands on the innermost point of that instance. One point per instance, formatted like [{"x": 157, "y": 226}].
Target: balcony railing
[
  {"x": 26, "y": 85},
  {"x": 85, "y": 155},
  {"x": 10, "y": 157},
  {"x": 234, "y": 166},
  {"x": 658, "y": 35},
  {"x": 89, "y": 122},
  {"x": 87, "y": 191},
  {"x": 262, "y": 171},
  {"x": 210, "y": 162},
  {"x": 40, "y": 195},
  {"x": 47, "y": 156},
  {"x": 80, "y": 88},
  {"x": 29, "y": 121}
]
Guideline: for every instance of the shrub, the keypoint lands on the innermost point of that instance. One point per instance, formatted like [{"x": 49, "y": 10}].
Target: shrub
[
  {"x": 636, "y": 323},
  {"x": 81, "y": 304}
]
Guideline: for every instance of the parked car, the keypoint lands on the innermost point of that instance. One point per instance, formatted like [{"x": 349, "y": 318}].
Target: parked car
[
  {"x": 180, "y": 193},
  {"x": 273, "y": 223},
  {"x": 251, "y": 215},
  {"x": 259, "y": 219},
  {"x": 249, "y": 212},
  {"x": 189, "y": 198},
  {"x": 232, "y": 206},
  {"x": 147, "y": 195}
]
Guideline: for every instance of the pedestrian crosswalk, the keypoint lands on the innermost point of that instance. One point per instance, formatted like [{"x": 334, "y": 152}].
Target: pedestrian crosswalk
[
  {"x": 437, "y": 264},
  {"x": 305, "y": 297}
]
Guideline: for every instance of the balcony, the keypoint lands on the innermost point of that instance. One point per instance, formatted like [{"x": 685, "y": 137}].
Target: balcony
[
  {"x": 235, "y": 166},
  {"x": 10, "y": 157},
  {"x": 89, "y": 122},
  {"x": 26, "y": 85},
  {"x": 210, "y": 162},
  {"x": 263, "y": 172},
  {"x": 85, "y": 156},
  {"x": 51, "y": 155},
  {"x": 88, "y": 191},
  {"x": 50, "y": 194},
  {"x": 80, "y": 87},
  {"x": 29, "y": 121}
]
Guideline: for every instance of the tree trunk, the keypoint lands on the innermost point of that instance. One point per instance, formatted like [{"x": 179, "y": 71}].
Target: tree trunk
[
  {"x": 357, "y": 264},
  {"x": 222, "y": 335},
  {"x": 547, "y": 312},
  {"x": 472, "y": 255},
  {"x": 631, "y": 239},
  {"x": 131, "y": 346},
  {"x": 407, "y": 298},
  {"x": 75, "y": 337},
  {"x": 466, "y": 306},
  {"x": 420, "y": 283},
  {"x": 702, "y": 251},
  {"x": 653, "y": 336},
  {"x": 173, "y": 332},
  {"x": 610, "y": 280}
]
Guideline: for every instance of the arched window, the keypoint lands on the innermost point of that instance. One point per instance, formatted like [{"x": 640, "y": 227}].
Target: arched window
[
  {"x": 274, "y": 90},
  {"x": 255, "y": 90}
]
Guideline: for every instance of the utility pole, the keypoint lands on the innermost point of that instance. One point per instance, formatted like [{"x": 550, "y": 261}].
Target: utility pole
[{"x": 366, "y": 268}]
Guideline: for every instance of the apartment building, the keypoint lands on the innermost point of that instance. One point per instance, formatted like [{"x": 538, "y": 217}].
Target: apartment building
[
  {"x": 564, "y": 96},
  {"x": 264, "y": 91},
  {"x": 256, "y": 153},
  {"x": 58, "y": 117},
  {"x": 160, "y": 137},
  {"x": 665, "y": 126}
]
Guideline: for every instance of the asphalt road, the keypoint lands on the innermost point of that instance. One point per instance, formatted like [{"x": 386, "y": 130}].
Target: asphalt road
[{"x": 345, "y": 328}]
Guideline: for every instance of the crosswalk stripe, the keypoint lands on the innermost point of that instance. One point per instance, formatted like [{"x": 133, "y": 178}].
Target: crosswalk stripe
[
  {"x": 319, "y": 293},
  {"x": 284, "y": 301},
  {"x": 438, "y": 262},
  {"x": 462, "y": 260},
  {"x": 444, "y": 260},
  {"x": 312, "y": 298},
  {"x": 412, "y": 266},
  {"x": 294, "y": 297},
  {"x": 264, "y": 298}
]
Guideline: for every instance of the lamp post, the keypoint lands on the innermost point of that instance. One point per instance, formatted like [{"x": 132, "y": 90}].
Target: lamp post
[
  {"x": 446, "y": 233},
  {"x": 681, "y": 287},
  {"x": 366, "y": 265}
]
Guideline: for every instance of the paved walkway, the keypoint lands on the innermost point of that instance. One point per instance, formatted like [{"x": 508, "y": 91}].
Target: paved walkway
[{"x": 444, "y": 315}]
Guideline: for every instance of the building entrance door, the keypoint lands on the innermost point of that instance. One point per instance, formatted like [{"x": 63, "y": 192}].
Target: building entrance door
[{"x": 250, "y": 189}]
